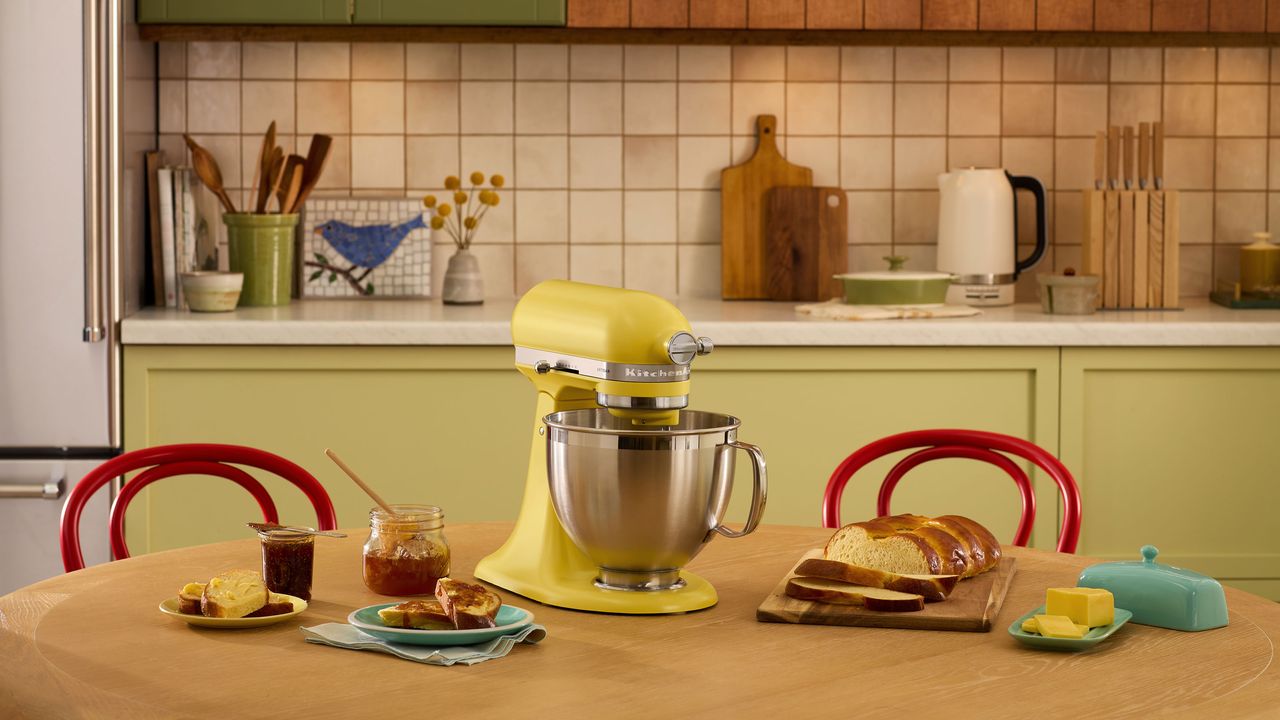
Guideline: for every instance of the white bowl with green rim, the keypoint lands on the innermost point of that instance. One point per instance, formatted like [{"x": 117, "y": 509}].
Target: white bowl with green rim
[{"x": 896, "y": 286}]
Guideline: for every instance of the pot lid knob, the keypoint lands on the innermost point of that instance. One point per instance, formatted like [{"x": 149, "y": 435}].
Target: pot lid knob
[{"x": 896, "y": 261}]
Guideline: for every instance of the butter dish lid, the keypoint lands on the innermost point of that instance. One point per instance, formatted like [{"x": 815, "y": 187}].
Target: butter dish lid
[{"x": 1160, "y": 595}]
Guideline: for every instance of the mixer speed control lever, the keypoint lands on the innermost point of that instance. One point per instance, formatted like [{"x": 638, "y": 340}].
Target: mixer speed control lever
[{"x": 683, "y": 347}]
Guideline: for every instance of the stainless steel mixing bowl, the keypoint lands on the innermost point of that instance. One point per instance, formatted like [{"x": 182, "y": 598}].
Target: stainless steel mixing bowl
[{"x": 641, "y": 501}]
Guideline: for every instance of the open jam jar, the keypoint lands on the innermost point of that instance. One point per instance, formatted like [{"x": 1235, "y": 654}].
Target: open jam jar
[
  {"x": 407, "y": 552},
  {"x": 287, "y": 561}
]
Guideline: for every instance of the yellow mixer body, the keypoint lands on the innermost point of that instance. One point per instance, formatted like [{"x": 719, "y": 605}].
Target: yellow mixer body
[{"x": 567, "y": 334}]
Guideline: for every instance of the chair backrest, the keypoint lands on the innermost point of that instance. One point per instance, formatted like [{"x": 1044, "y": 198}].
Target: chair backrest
[
  {"x": 165, "y": 461},
  {"x": 972, "y": 444}
]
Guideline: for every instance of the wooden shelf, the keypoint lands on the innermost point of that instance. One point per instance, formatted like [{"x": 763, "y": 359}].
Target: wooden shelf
[{"x": 680, "y": 36}]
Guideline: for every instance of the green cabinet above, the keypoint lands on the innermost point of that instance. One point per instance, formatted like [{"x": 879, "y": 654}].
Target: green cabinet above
[
  {"x": 359, "y": 12},
  {"x": 232, "y": 12},
  {"x": 453, "y": 12}
]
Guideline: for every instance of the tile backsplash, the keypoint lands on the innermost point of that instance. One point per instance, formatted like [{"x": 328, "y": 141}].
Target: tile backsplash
[{"x": 612, "y": 154}]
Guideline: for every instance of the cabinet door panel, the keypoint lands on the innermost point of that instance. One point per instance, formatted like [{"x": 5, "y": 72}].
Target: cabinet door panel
[
  {"x": 244, "y": 11},
  {"x": 452, "y": 12}
]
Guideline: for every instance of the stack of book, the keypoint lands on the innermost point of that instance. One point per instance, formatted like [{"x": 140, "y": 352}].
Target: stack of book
[{"x": 183, "y": 223}]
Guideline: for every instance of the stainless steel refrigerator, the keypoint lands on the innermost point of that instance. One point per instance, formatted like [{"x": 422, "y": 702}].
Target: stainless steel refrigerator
[{"x": 77, "y": 110}]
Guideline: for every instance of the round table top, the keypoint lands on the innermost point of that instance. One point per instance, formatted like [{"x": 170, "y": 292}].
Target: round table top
[{"x": 94, "y": 644}]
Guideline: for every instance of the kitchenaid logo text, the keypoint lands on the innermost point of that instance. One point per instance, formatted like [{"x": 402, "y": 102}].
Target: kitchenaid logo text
[{"x": 636, "y": 373}]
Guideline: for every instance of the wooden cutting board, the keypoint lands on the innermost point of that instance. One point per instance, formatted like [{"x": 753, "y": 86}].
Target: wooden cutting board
[
  {"x": 743, "y": 257},
  {"x": 807, "y": 242},
  {"x": 971, "y": 606}
]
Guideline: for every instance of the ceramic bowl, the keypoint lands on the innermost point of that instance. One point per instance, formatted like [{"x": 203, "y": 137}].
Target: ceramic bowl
[
  {"x": 1068, "y": 294},
  {"x": 212, "y": 291},
  {"x": 895, "y": 286}
]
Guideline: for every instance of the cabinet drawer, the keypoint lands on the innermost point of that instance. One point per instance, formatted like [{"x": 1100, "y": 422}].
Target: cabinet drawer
[
  {"x": 452, "y": 12},
  {"x": 280, "y": 12}
]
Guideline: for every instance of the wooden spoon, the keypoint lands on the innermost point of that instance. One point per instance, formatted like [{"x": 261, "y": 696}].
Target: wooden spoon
[
  {"x": 363, "y": 486},
  {"x": 207, "y": 169},
  {"x": 271, "y": 183},
  {"x": 290, "y": 182},
  {"x": 261, "y": 173},
  {"x": 317, "y": 154}
]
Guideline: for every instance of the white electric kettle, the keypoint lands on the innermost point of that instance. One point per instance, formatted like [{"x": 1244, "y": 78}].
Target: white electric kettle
[{"x": 977, "y": 238}]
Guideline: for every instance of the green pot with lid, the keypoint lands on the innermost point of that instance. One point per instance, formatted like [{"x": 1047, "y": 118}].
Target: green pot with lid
[{"x": 895, "y": 286}]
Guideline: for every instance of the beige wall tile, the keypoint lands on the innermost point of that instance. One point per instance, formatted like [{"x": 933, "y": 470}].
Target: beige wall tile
[
  {"x": 1226, "y": 263},
  {"x": 491, "y": 155},
  {"x": 595, "y": 217},
  {"x": 861, "y": 64},
  {"x": 1073, "y": 163},
  {"x": 920, "y": 108},
  {"x": 337, "y": 169},
  {"x": 917, "y": 162},
  {"x": 759, "y": 62},
  {"x": 542, "y": 161},
  {"x": 1273, "y": 213},
  {"x": 1188, "y": 109},
  {"x": 920, "y": 64},
  {"x": 974, "y": 64},
  {"x": 866, "y": 163},
  {"x": 1242, "y": 110},
  {"x": 1068, "y": 225},
  {"x": 213, "y": 60},
  {"x": 870, "y": 219},
  {"x": 1028, "y": 64},
  {"x": 1132, "y": 104},
  {"x": 973, "y": 152},
  {"x": 1186, "y": 65},
  {"x": 497, "y": 266},
  {"x": 487, "y": 107},
  {"x": 973, "y": 109},
  {"x": 866, "y": 109},
  {"x": 751, "y": 99},
  {"x": 499, "y": 225},
  {"x": 649, "y": 108},
  {"x": 1273, "y": 164},
  {"x": 915, "y": 218},
  {"x": 377, "y": 162},
  {"x": 868, "y": 257},
  {"x": 377, "y": 61},
  {"x": 429, "y": 160},
  {"x": 699, "y": 268},
  {"x": 324, "y": 61},
  {"x": 698, "y": 217},
  {"x": 1087, "y": 65},
  {"x": 649, "y": 62},
  {"x": 1030, "y": 156},
  {"x": 595, "y": 107},
  {"x": 649, "y": 162},
  {"x": 813, "y": 108},
  {"x": 1081, "y": 110},
  {"x": 1240, "y": 164},
  {"x": 1195, "y": 276},
  {"x": 172, "y": 60},
  {"x": 704, "y": 108},
  {"x": 820, "y": 154},
  {"x": 172, "y": 106},
  {"x": 813, "y": 63},
  {"x": 1237, "y": 215},
  {"x": 535, "y": 263},
  {"x": 487, "y": 62},
  {"x": 1196, "y": 217},
  {"x": 595, "y": 62},
  {"x": 919, "y": 257},
  {"x": 542, "y": 107},
  {"x": 542, "y": 62},
  {"x": 1144, "y": 65},
  {"x": 377, "y": 106},
  {"x": 213, "y": 106},
  {"x": 705, "y": 62},
  {"x": 700, "y": 160},
  {"x": 596, "y": 264},
  {"x": 648, "y": 216},
  {"x": 431, "y": 107},
  {"x": 267, "y": 61},
  {"x": 1243, "y": 65},
  {"x": 1066, "y": 256},
  {"x": 651, "y": 268},
  {"x": 542, "y": 216},
  {"x": 324, "y": 106},
  {"x": 1027, "y": 109},
  {"x": 1275, "y": 110},
  {"x": 265, "y": 101},
  {"x": 431, "y": 61},
  {"x": 595, "y": 162},
  {"x": 1188, "y": 164}
]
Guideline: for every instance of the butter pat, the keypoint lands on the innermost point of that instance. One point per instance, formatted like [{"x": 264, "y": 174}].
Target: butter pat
[
  {"x": 1059, "y": 626},
  {"x": 1091, "y": 607},
  {"x": 1029, "y": 626}
]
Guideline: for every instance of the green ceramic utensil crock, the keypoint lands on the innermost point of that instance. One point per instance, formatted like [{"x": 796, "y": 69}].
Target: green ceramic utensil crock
[
  {"x": 895, "y": 286},
  {"x": 261, "y": 247}
]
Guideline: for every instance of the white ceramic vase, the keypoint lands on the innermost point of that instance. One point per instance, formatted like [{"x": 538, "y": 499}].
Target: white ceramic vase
[{"x": 463, "y": 284}]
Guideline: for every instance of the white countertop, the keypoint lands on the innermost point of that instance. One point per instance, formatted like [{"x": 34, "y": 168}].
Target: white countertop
[{"x": 428, "y": 322}]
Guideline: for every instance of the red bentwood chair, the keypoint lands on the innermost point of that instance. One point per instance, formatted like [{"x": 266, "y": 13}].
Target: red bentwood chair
[
  {"x": 188, "y": 459},
  {"x": 972, "y": 444}
]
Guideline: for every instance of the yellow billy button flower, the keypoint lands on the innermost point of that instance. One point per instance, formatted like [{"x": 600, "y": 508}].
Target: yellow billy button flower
[
  {"x": 437, "y": 222},
  {"x": 444, "y": 210},
  {"x": 486, "y": 196},
  {"x": 429, "y": 201},
  {"x": 469, "y": 223},
  {"x": 494, "y": 200},
  {"x": 452, "y": 182},
  {"x": 497, "y": 181},
  {"x": 477, "y": 178},
  {"x": 459, "y": 197}
]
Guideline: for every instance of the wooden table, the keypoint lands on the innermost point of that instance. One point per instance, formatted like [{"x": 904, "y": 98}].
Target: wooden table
[{"x": 93, "y": 644}]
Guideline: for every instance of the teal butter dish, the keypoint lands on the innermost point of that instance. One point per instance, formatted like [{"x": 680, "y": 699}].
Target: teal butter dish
[{"x": 1160, "y": 595}]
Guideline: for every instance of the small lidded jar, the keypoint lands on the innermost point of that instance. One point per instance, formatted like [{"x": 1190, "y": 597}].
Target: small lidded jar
[
  {"x": 287, "y": 561},
  {"x": 407, "y": 552}
]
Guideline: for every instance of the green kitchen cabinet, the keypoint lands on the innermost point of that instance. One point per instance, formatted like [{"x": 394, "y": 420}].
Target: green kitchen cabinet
[
  {"x": 247, "y": 12},
  {"x": 361, "y": 12},
  {"x": 453, "y": 12}
]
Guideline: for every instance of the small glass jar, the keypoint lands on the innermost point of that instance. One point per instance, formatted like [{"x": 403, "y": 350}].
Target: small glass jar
[
  {"x": 287, "y": 562},
  {"x": 406, "y": 553}
]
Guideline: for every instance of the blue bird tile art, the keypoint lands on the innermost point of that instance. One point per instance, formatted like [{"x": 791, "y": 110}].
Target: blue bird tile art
[{"x": 363, "y": 247}]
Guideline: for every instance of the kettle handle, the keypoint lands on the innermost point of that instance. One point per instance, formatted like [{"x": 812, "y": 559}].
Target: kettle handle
[
  {"x": 759, "y": 491},
  {"x": 1026, "y": 182}
]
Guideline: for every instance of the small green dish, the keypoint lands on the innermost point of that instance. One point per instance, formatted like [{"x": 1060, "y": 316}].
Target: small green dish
[
  {"x": 509, "y": 620},
  {"x": 1091, "y": 638}
]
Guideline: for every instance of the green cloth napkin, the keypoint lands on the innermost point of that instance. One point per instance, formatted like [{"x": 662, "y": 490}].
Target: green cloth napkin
[{"x": 342, "y": 635}]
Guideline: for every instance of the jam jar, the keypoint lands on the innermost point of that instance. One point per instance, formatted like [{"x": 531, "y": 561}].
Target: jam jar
[
  {"x": 287, "y": 561},
  {"x": 407, "y": 552}
]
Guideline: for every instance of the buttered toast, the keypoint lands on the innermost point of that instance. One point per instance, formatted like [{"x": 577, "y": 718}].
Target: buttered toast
[
  {"x": 468, "y": 606},
  {"x": 418, "y": 614}
]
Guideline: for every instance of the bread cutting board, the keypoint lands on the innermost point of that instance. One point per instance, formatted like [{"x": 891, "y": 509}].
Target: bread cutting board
[
  {"x": 743, "y": 257},
  {"x": 806, "y": 241},
  {"x": 971, "y": 607}
]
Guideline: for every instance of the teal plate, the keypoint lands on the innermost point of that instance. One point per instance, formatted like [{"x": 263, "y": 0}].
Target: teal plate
[
  {"x": 509, "y": 620},
  {"x": 1091, "y": 638}
]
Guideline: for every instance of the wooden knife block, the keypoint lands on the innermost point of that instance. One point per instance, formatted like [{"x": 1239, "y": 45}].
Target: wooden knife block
[{"x": 1130, "y": 240}]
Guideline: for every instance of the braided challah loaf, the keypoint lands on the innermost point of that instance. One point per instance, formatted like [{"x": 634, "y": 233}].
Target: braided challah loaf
[{"x": 917, "y": 545}]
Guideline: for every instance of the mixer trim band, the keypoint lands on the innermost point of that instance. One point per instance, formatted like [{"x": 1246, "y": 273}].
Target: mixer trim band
[
  {"x": 600, "y": 369},
  {"x": 988, "y": 279}
]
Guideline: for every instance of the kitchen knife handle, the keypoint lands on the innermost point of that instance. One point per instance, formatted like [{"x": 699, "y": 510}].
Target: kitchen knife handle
[
  {"x": 1127, "y": 180},
  {"x": 1100, "y": 161},
  {"x": 1157, "y": 154},
  {"x": 1113, "y": 157},
  {"x": 1144, "y": 155},
  {"x": 759, "y": 490}
]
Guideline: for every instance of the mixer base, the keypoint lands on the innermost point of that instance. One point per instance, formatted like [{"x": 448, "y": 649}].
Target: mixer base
[{"x": 578, "y": 591}]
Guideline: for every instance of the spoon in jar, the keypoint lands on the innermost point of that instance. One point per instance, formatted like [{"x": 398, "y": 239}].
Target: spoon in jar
[
  {"x": 363, "y": 486},
  {"x": 271, "y": 527}
]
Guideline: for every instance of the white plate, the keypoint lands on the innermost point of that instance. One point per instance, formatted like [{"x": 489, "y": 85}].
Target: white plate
[{"x": 170, "y": 607}]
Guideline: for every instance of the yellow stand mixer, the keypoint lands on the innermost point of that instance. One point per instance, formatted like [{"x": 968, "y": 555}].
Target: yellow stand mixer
[{"x": 611, "y": 368}]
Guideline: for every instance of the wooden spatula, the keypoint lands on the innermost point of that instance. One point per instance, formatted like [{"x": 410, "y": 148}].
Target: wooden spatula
[
  {"x": 290, "y": 182},
  {"x": 207, "y": 169},
  {"x": 262, "y": 172},
  {"x": 317, "y": 155}
]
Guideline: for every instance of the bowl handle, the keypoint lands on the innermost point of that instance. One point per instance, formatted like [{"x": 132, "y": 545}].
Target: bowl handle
[{"x": 759, "y": 490}]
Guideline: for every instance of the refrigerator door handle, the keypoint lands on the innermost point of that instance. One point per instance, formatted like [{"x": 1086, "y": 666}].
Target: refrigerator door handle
[
  {"x": 101, "y": 100},
  {"x": 51, "y": 490}
]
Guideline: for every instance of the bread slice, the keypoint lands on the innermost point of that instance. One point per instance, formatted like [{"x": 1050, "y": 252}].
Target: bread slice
[
  {"x": 420, "y": 614},
  {"x": 277, "y": 604},
  {"x": 233, "y": 594},
  {"x": 468, "y": 606},
  {"x": 933, "y": 588},
  {"x": 838, "y": 593},
  {"x": 189, "y": 598}
]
